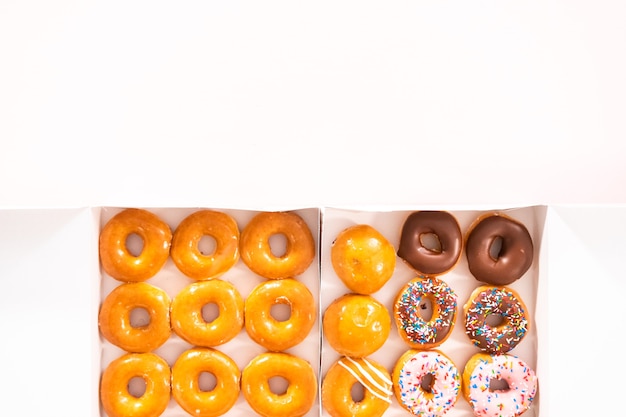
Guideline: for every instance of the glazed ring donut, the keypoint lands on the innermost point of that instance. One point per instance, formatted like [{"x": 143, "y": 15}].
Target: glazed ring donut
[
  {"x": 499, "y": 250},
  {"x": 257, "y": 254},
  {"x": 188, "y": 257},
  {"x": 187, "y": 319},
  {"x": 515, "y": 392},
  {"x": 115, "y": 257},
  {"x": 186, "y": 388},
  {"x": 272, "y": 333},
  {"x": 363, "y": 258},
  {"x": 504, "y": 302},
  {"x": 426, "y": 382},
  {"x": 116, "y": 399},
  {"x": 425, "y": 332},
  {"x": 115, "y": 322},
  {"x": 337, "y": 397},
  {"x": 425, "y": 258},
  {"x": 356, "y": 325},
  {"x": 301, "y": 391}
]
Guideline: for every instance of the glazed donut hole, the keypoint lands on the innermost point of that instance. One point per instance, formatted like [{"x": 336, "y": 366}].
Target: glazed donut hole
[{"x": 241, "y": 348}]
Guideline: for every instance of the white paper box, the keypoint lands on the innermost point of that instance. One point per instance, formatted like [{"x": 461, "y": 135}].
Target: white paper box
[{"x": 50, "y": 286}]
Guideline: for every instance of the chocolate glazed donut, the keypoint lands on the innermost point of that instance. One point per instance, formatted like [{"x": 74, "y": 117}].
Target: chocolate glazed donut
[
  {"x": 503, "y": 265},
  {"x": 428, "y": 260}
]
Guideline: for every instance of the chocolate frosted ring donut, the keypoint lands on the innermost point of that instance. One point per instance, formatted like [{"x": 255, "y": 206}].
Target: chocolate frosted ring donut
[
  {"x": 423, "y": 258},
  {"x": 499, "y": 250}
]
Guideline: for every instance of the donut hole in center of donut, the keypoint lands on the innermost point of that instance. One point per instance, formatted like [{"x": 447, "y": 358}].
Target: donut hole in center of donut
[
  {"x": 278, "y": 384},
  {"x": 357, "y": 392},
  {"x": 496, "y": 384},
  {"x": 428, "y": 380},
  {"x": 278, "y": 244},
  {"x": 281, "y": 311},
  {"x": 431, "y": 242},
  {"x": 206, "y": 381},
  {"x": 496, "y": 248},
  {"x": 207, "y": 245},
  {"x": 139, "y": 317},
  {"x": 136, "y": 386},
  {"x": 134, "y": 244},
  {"x": 210, "y": 312},
  {"x": 494, "y": 320},
  {"x": 425, "y": 309}
]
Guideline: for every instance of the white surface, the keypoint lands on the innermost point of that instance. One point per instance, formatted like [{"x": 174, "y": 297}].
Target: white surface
[
  {"x": 240, "y": 104},
  {"x": 311, "y": 103}
]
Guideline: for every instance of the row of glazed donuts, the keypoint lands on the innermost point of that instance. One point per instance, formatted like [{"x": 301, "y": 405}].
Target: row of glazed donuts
[
  {"x": 182, "y": 382},
  {"x": 159, "y": 243},
  {"x": 183, "y": 314}
]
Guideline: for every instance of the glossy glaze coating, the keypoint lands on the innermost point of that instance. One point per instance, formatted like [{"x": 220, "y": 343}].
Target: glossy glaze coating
[
  {"x": 186, "y": 388},
  {"x": 187, "y": 319},
  {"x": 256, "y": 251},
  {"x": 422, "y": 258},
  {"x": 301, "y": 391},
  {"x": 356, "y": 325},
  {"x": 510, "y": 262},
  {"x": 363, "y": 258},
  {"x": 117, "y": 401},
  {"x": 337, "y": 388},
  {"x": 185, "y": 251},
  {"x": 115, "y": 257},
  {"x": 274, "y": 334},
  {"x": 114, "y": 318}
]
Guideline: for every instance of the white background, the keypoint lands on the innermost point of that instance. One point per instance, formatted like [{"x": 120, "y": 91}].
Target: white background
[{"x": 285, "y": 103}]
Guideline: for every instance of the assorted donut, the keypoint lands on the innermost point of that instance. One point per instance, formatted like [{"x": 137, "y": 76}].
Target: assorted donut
[{"x": 423, "y": 381}]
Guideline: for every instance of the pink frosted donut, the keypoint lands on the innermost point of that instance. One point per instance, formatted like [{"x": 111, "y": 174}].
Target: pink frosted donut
[
  {"x": 426, "y": 382},
  {"x": 485, "y": 381}
]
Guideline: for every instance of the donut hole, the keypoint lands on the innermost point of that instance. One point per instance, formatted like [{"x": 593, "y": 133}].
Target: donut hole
[
  {"x": 210, "y": 312},
  {"x": 206, "y": 381},
  {"x": 278, "y": 244},
  {"x": 357, "y": 392},
  {"x": 426, "y": 309},
  {"x": 136, "y": 386},
  {"x": 278, "y": 385},
  {"x": 280, "y": 311},
  {"x": 207, "y": 245},
  {"x": 494, "y": 320},
  {"x": 496, "y": 384},
  {"x": 139, "y": 317},
  {"x": 427, "y": 383},
  {"x": 496, "y": 248},
  {"x": 134, "y": 244},
  {"x": 431, "y": 242}
]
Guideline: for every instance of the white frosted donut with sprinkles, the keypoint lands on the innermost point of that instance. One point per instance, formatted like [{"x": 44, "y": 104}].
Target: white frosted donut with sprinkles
[
  {"x": 337, "y": 397},
  {"x": 498, "y": 385},
  {"x": 417, "y": 330},
  {"x": 426, "y": 382}
]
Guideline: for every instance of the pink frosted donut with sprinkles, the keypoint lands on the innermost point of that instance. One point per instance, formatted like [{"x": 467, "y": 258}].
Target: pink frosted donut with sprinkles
[
  {"x": 411, "y": 307},
  {"x": 495, "y": 319},
  {"x": 498, "y": 385},
  {"x": 426, "y": 383}
]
